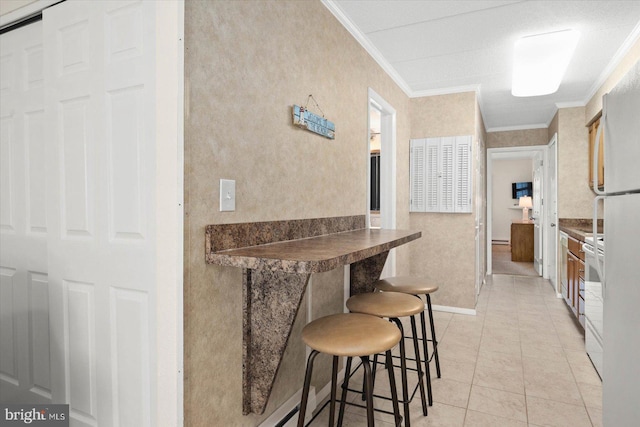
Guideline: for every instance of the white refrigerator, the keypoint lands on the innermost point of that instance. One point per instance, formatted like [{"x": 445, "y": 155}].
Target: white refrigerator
[{"x": 621, "y": 260}]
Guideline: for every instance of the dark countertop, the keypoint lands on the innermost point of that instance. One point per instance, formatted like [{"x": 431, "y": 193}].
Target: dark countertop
[
  {"x": 314, "y": 254},
  {"x": 579, "y": 228}
]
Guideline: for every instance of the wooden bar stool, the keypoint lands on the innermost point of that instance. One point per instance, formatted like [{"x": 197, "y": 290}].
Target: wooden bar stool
[
  {"x": 415, "y": 285},
  {"x": 394, "y": 305},
  {"x": 350, "y": 335}
]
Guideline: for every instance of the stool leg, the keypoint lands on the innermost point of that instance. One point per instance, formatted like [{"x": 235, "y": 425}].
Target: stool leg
[
  {"x": 369, "y": 390},
  {"x": 373, "y": 376},
  {"x": 416, "y": 349},
  {"x": 334, "y": 380},
  {"x": 403, "y": 371},
  {"x": 345, "y": 386},
  {"x": 426, "y": 357},
  {"x": 305, "y": 389},
  {"x": 433, "y": 336},
  {"x": 394, "y": 392}
]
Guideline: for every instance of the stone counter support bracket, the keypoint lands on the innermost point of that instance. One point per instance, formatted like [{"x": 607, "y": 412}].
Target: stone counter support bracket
[{"x": 271, "y": 303}]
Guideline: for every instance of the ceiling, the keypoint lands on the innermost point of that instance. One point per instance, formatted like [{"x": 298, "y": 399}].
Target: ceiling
[{"x": 436, "y": 47}]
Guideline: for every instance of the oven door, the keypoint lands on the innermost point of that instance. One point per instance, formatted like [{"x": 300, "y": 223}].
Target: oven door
[{"x": 594, "y": 305}]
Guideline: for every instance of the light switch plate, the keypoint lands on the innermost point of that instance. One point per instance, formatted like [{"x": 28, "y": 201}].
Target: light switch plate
[{"x": 227, "y": 195}]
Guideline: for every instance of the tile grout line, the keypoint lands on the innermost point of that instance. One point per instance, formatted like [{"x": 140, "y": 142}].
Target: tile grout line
[{"x": 524, "y": 381}]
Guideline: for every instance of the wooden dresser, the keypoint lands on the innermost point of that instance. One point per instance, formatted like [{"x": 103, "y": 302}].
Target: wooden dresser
[{"x": 522, "y": 241}]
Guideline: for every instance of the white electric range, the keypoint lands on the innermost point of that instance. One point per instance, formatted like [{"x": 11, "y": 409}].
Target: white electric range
[{"x": 593, "y": 299}]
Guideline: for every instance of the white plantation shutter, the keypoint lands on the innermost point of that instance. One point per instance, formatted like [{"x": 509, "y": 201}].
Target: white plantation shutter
[
  {"x": 441, "y": 174},
  {"x": 447, "y": 174},
  {"x": 463, "y": 174},
  {"x": 431, "y": 175},
  {"x": 417, "y": 176}
]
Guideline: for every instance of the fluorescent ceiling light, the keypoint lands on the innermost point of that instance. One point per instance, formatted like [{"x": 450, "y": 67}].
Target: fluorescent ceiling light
[{"x": 541, "y": 61}]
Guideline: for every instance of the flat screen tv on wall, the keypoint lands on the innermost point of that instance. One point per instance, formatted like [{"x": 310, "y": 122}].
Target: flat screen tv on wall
[{"x": 521, "y": 189}]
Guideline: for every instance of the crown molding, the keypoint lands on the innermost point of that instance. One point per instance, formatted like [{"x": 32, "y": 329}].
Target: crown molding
[
  {"x": 571, "y": 104},
  {"x": 445, "y": 91},
  {"x": 521, "y": 127},
  {"x": 615, "y": 61},
  {"x": 366, "y": 44}
]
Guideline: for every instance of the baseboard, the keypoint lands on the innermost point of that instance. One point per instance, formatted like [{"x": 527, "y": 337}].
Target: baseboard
[
  {"x": 290, "y": 409},
  {"x": 456, "y": 310},
  {"x": 287, "y": 409}
]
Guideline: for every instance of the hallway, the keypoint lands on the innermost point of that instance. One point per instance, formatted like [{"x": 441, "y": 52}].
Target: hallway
[
  {"x": 501, "y": 263},
  {"x": 519, "y": 362}
]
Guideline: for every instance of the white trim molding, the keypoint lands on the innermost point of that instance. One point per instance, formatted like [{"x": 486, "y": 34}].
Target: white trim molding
[
  {"x": 353, "y": 29},
  {"x": 455, "y": 310},
  {"x": 25, "y": 12},
  {"x": 445, "y": 91}
]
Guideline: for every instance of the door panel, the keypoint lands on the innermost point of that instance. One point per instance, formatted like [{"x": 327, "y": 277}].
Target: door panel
[
  {"x": 551, "y": 214},
  {"x": 536, "y": 214},
  {"x": 100, "y": 58},
  {"x": 24, "y": 283}
]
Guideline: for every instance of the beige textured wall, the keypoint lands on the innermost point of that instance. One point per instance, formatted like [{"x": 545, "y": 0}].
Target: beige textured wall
[
  {"x": 517, "y": 138},
  {"x": 595, "y": 104},
  {"x": 246, "y": 63},
  {"x": 446, "y": 252},
  {"x": 553, "y": 127},
  {"x": 575, "y": 198}
]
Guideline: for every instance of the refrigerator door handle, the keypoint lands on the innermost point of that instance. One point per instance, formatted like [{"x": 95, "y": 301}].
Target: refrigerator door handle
[{"x": 598, "y": 256}]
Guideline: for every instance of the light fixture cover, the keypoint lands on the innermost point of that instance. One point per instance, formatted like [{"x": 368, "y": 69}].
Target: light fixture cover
[{"x": 540, "y": 62}]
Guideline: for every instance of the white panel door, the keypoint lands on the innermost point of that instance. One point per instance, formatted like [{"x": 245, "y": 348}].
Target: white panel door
[
  {"x": 536, "y": 214},
  {"x": 24, "y": 288},
  {"x": 551, "y": 214},
  {"x": 99, "y": 66}
]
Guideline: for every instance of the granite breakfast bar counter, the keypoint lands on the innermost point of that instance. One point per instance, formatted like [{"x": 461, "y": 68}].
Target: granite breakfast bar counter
[{"x": 277, "y": 259}]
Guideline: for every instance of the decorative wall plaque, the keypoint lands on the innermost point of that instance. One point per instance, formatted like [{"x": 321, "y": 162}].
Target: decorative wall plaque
[{"x": 312, "y": 122}]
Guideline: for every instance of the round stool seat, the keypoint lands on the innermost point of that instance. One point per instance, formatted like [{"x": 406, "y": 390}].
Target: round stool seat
[
  {"x": 406, "y": 284},
  {"x": 385, "y": 304},
  {"x": 351, "y": 335}
]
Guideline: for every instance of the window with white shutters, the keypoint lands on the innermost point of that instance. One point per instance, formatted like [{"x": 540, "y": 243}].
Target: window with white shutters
[{"x": 441, "y": 174}]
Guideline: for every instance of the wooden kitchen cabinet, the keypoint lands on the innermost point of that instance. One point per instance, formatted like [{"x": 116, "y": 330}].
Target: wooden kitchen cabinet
[
  {"x": 593, "y": 130},
  {"x": 574, "y": 296},
  {"x": 571, "y": 269}
]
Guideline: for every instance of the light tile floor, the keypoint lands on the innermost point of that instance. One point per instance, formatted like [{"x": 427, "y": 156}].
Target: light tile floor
[{"x": 519, "y": 362}]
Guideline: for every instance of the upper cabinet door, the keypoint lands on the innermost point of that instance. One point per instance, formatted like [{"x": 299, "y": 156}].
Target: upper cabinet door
[
  {"x": 593, "y": 131},
  {"x": 620, "y": 113}
]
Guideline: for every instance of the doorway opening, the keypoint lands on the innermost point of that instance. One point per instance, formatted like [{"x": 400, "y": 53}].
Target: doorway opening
[
  {"x": 374, "y": 176},
  {"x": 381, "y": 158},
  {"x": 504, "y": 214}
]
